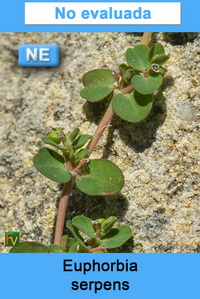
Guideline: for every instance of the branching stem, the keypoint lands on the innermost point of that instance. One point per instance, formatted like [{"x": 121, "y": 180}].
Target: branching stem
[{"x": 97, "y": 135}]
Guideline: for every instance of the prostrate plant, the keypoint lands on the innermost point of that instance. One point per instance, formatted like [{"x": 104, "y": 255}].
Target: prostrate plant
[
  {"x": 95, "y": 178},
  {"x": 132, "y": 96},
  {"x": 130, "y": 92},
  {"x": 88, "y": 236}
]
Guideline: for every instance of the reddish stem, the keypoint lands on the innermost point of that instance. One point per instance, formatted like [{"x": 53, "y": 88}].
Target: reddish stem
[
  {"x": 99, "y": 248},
  {"x": 128, "y": 89},
  {"x": 146, "y": 37},
  {"x": 97, "y": 135},
  {"x": 109, "y": 112},
  {"x": 101, "y": 128},
  {"x": 62, "y": 211}
]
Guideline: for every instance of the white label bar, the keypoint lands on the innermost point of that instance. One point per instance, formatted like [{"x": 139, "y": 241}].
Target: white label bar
[{"x": 104, "y": 13}]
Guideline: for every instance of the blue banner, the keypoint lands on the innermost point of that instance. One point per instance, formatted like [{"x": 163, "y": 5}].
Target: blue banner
[
  {"x": 63, "y": 16},
  {"x": 100, "y": 276}
]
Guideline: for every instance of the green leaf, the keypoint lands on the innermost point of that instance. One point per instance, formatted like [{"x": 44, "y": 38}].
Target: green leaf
[
  {"x": 73, "y": 134},
  {"x": 81, "y": 154},
  {"x": 54, "y": 248},
  {"x": 100, "y": 220},
  {"x": 71, "y": 153},
  {"x": 123, "y": 69},
  {"x": 81, "y": 141},
  {"x": 117, "y": 236},
  {"x": 126, "y": 72},
  {"x": 137, "y": 57},
  {"x": 49, "y": 141},
  {"x": 98, "y": 85},
  {"x": 29, "y": 247},
  {"x": 160, "y": 59},
  {"x": 96, "y": 77},
  {"x": 162, "y": 70},
  {"x": 132, "y": 107},
  {"x": 68, "y": 244},
  {"x": 76, "y": 236},
  {"x": 54, "y": 136},
  {"x": 73, "y": 245},
  {"x": 156, "y": 50},
  {"x": 84, "y": 224},
  {"x": 147, "y": 85},
  {"x": 96, "y": 93},
  {"x": 51, "y": 165},
  {"x": 129, "y": 74},
  {"x": 108, "y": 224},
  {"x": 101, "y": 177},
  {"x": 64, "y": 243}
]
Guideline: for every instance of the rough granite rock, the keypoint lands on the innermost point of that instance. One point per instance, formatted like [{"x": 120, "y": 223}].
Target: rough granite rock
[{"x": 158, "y": 156}]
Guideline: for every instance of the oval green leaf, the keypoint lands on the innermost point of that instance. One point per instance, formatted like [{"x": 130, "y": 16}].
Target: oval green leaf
[
  {"x": 96, "y": 93},
  {"x": 101, "y": 177},
  {"x": 162, "y": 70},
  {"x": 117, "y": 236},
  {"x": 72, "y": 245},
  {"x": 77, "y": 236},
  {"x": 81, "y": 154},
  {"x": 126, "y": 72},
  {"x": 132, "y": 107},
  {"x": 129, "y": 74},
  {"x": 108, "y": 224},
  {"x": 98, "y": 85},
  {"x": 29, "y": 247},
  {"x": 96, "y": 77},
  {"x": 64, "y": 242},
  {"x": 49, "y": 141},
  {"x": 138, "y": 57},
  {"x": 147, "y": 85},
  {"x": 160, "y": 59},
  {"x": 156, "y": 50},
  {"x": 73, "y": 134},
  {"x": 55, "y": 135},
  {"x": 81, "y": 141},
  {"x": 123, "y": 69},
  {"x": 84, "y": 224},
  {"x": 51, "y": 165}
]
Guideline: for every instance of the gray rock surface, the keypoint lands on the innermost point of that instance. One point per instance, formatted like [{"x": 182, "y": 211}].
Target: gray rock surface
[{"x": 159, "y": 156}]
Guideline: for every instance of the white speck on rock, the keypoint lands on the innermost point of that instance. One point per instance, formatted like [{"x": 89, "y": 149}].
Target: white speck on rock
[{"x": 187, "y": 112}]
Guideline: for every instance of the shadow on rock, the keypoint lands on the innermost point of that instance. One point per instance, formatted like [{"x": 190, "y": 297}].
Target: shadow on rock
[
  {"x": 138, "y": 136},
  {"x": 95, "y": 111},
  {"x": 95, "y": 207},
  {"x": 179, "y": 38},
  {"x": 109, "y": 140},
  {"x": 141, "y": 135},
  {"x": 100, "y": 207},
  {"x": 125, "y": 248},
  {"x": 139, "y": 35}
]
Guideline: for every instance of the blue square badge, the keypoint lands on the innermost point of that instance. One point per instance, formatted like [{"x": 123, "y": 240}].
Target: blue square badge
[{"x": 39, "y": 55}]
